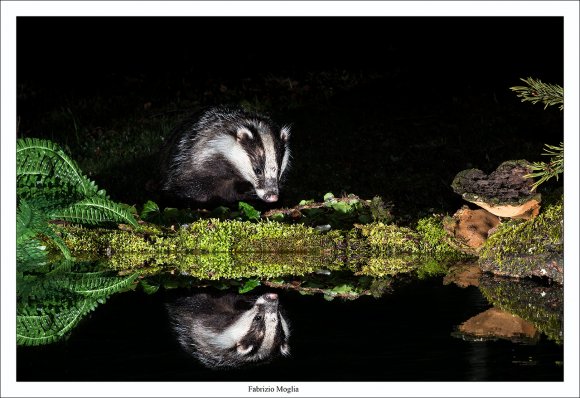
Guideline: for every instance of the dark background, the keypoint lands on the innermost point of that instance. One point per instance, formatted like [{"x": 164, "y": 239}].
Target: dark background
[
  {"x": 80, "y": 52},
  {"x": 379, "y": 106}
]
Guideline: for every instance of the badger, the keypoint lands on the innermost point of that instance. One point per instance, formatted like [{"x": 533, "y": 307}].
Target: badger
[
  {"x": 226, "y": 154},
  {"x": 230, "y": 330}
]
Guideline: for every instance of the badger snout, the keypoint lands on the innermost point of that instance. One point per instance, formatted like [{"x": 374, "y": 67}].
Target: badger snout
[
  {"x": 270, "y": 197},
  {"x": 269, "y": 193}
]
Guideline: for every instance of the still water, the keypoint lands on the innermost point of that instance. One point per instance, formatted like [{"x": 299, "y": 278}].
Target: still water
[{"x": 408, "y": 334}]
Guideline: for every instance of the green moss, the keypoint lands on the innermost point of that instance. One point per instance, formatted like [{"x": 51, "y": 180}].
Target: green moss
[
  {"x": 525, "y": 248},
  {"x": 540, "y": 305},
  {"x": 435, "y": 239},
  {"x": 381, "y": 266},
  {"x": 431, "y": 268},
  {"x": 214, "y": 249},
  {"x": 382, "y": 238}
]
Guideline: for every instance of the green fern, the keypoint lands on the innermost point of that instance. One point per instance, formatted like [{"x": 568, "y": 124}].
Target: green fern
[
  {"x": 52, "y": 327},
  {"x": 30, "y": 224},
  {"x": 101, "y": 285},
  {"x": 51, "y": 182},
  {"x": 52, "y": 300},
  {"x": 94, "y": 211},
  {"x": 47, "y": 162},
  {"x": 53, "y": 296}
]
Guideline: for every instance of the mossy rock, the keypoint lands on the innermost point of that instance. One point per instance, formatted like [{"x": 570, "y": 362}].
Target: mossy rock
[
  {"x": 539, "y": 304},
  {"x": 528, "y": 248}
]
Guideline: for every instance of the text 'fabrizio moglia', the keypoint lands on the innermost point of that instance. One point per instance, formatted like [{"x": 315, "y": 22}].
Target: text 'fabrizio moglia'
[{"x": 285, "y": 389}]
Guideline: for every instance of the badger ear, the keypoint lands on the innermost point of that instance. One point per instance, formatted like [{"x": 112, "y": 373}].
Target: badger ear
[
  {"x": 285, "y": 133},
  {"x": 243, "y": 133},
  {"x": 243, "y": 349},
  {"x": 285, "y": 349}
]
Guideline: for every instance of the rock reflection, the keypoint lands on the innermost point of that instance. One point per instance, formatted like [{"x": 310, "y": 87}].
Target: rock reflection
[
  {"x": 495, "y": 324},
  {"x": 522, "y": 310},
  {"x": 535, "y": 301},
  {"x": 230, "y": 330}
]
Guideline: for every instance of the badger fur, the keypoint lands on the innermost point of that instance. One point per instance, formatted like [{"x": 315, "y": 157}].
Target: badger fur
[
  {"x": 227, "y": 154},
  {"x": 230, "y": 330}
]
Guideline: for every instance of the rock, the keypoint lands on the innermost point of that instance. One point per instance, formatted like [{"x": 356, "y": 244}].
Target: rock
[
  {"x": 471, "y": 227},
  {"x": 504, "y": 193},
  {"x": 528, "y": 248}
]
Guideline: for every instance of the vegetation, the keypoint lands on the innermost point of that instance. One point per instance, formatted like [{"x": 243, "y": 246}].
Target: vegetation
[
  {"x": 54, "y": 294},
  {"x": 53, "y": 297},
  {"x": 530, "y": 248},
  {"x": 549, "y": 94},
  {"x": 541, "y": 305}
]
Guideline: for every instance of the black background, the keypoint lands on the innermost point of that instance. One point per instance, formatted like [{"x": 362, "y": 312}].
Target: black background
[{"x": 77, "y": 52}]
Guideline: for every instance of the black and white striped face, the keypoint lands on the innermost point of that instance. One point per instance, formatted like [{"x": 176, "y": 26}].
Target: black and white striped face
[
  {"x": 258, "y": 333},
  {"x": 260, "y": 153}
]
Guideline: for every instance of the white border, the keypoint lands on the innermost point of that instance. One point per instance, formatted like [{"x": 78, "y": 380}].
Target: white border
[{"x": 261, "y": 8}]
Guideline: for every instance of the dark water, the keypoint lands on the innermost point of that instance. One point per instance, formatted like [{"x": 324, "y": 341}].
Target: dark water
[{"x": 402, "y": 336}]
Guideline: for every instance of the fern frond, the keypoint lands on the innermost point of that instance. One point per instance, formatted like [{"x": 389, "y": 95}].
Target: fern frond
[
  {"x": 103, "y": 286},
  {"x": 95, "y": 211},
  {"x": 43, "y": 159},
  {"x": 30, "y": 223},
  {"x": 51, "y": 324}
]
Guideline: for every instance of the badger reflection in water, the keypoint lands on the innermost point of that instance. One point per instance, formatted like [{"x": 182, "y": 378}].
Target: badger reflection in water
[{"x": 230, "y": 330}]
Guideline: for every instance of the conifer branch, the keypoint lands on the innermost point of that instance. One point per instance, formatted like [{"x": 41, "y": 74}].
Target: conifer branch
[
  {"x": 551, "y": 169},
  {"x": 536, "y": 91}
]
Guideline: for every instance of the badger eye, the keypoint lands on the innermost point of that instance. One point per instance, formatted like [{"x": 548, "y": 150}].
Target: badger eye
[
  {"x": 258, "y": 171},
  {"x": 258, "y": 318}
]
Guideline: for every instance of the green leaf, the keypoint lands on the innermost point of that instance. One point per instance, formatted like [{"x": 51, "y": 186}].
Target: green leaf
[
  {"x": 248, "y": 211},
  {"x": 341, "y": 289},
  {"x": 249, "y": 285},
  {"x": 148, "y": 287},
  {"x": 150, "y": 211},
  {"x": 277, "y": 217},
  {"x": 328, "y": 196},
  {"x": 342, "y": 207}
]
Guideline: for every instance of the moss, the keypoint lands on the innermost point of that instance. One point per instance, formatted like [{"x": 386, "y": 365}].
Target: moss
[
  {"x": 527, "y": 248},
  {"x": 435, "y": 239},
  {"x": 382, "y": 238},
  {"x": 380, "y": 266},
  {"x": 213, "y": 249},
  {"x": 431, "y": 268},
  {"x": 541, "y": 305}
]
